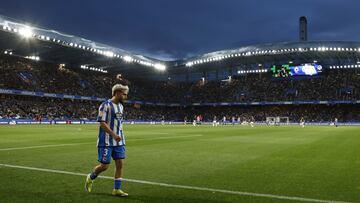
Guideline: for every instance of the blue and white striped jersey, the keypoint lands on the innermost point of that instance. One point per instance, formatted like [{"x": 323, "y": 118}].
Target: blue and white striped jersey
[{"x": 112, "y": 114}]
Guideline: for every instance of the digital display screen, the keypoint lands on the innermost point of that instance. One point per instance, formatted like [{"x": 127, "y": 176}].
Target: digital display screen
[{"x": 286, "y": 70}]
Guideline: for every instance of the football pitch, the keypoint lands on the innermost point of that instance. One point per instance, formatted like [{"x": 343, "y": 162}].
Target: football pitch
[{"x": 43, "y": 163}]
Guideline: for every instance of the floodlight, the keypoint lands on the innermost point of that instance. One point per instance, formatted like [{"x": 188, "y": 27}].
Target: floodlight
[
  {"x": 127, "y": 58},
  {"x": 109, "y": 54},
  {"x": 26, "y": 32},
  {"x": 159, "y": 66}
]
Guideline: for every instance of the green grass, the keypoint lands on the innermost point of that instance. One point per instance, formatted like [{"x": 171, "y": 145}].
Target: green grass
[{"x": 312, "y": 162}]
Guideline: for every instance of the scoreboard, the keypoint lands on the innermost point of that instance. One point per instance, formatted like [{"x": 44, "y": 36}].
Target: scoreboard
[{"x": 286, "y": 70}]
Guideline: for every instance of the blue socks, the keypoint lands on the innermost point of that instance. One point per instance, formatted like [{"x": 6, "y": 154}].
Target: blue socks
[
  {"x": 93, "y": 175},
  {"x": 117, "y": 183}
]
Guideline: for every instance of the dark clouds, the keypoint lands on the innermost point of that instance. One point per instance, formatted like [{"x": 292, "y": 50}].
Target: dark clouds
[{"x": 169, "y": 29}]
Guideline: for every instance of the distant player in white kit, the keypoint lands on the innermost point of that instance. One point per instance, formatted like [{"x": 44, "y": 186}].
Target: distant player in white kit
[
  {"x": 252, "y": 121},
  {"x": 302, "y": 122},
  {"x": 336, "y": 122},
  {"x": 215, "y": 123}
]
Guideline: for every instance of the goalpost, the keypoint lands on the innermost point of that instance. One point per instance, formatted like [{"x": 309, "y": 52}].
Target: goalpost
[{"x": 277, "y": 120}]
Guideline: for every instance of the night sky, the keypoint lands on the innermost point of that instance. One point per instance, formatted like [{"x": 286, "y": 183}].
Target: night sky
[{"x": 173, "y": 29}]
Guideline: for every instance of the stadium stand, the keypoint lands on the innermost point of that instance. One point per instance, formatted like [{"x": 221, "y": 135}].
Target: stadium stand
[{"x": 24, "y": 74}]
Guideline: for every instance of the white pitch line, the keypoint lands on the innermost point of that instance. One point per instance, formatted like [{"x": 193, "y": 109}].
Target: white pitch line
[
  {"x": 252, "y": 194},
  {"x": 45, "y": 146}
]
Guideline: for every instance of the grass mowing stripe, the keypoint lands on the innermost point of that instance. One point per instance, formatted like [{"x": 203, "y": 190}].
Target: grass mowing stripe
[
  {"x": 182, "y": 186},
  {"x": 161, "y": 138},
  {"x": 73, "y": 144},
  {"x": 44, "y": 146}
]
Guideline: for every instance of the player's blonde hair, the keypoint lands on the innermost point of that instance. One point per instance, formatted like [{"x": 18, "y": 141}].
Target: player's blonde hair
[{"x": 121, "y": 87}]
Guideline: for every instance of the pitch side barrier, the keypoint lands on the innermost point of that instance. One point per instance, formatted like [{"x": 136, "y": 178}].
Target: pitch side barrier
[
  {"x": 77, "y": 97},
  {"x": 87, "y": 122}
]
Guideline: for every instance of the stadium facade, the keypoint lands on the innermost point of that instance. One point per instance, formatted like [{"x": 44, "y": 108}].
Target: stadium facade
[
  {"x": 273, "y": 61},
  {"x": 23, "y": 40}
]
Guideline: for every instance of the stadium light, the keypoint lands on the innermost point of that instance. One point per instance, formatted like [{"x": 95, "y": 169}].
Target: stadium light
[
  {"x": 109, "y": 54},
  {"x": 26, "y": 32},
  {"x": 128, "y": 58},
  {"x": 159, "y": 66}
]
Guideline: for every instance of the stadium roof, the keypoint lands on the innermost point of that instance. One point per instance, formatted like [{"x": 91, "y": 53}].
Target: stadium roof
[{"x": 23, "y": 40}]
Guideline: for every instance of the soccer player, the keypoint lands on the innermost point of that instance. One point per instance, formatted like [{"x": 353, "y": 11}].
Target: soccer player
[
  {"x": 224, "y": 120},
  {"x": 163, "y": 120},
  {"x": 252, "y": 121},
  {"x": 302, "y": 122},
  {"x": 336, "y": 122},
  {"x": 215, "y": 123},
  {"x": 111, "y": 142}
]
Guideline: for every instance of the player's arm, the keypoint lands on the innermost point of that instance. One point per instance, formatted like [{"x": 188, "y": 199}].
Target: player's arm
[{"x": 107, "y": 129}]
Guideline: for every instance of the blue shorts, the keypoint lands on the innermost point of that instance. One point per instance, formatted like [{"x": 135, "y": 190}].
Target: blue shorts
[{"x": 105, "y": 153}]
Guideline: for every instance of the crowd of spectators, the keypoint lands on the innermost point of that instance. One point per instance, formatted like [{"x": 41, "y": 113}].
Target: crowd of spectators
[
  {"x": 27, "y": 107},
  {"x": 43, "y": 108},
  {"x": 30, "y": 75},
  {"x": 46, "y": 77}
]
